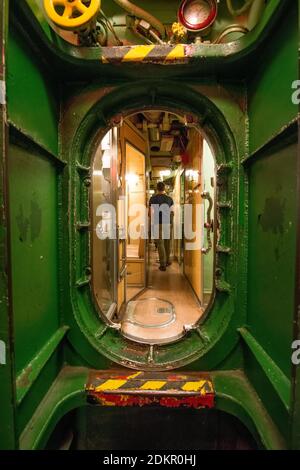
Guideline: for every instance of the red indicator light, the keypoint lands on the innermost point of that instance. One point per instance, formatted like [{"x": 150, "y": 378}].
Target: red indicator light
[{"x": 197, "y": 15}]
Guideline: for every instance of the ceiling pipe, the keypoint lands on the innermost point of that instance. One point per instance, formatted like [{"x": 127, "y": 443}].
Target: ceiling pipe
[
  {"x": 142, "y": 14},
  {"x": 234, "y": 28}
]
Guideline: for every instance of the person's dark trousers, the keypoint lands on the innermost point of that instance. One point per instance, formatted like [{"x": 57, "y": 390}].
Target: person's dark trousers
[{"x": 162, "y": 234}]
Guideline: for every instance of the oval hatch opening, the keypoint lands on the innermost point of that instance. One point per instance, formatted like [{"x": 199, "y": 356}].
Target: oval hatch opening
[{"x": 154, "y": 226}]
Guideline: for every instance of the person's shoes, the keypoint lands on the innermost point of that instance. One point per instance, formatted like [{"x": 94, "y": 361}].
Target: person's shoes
[{"x": 162, "y": 268}]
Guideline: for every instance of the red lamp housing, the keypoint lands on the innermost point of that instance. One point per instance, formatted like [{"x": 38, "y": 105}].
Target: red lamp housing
[{"x": 197, "y": 15}]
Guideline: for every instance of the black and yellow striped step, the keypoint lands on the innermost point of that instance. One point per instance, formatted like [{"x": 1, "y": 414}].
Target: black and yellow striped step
[{"x": 127, "y": 388}]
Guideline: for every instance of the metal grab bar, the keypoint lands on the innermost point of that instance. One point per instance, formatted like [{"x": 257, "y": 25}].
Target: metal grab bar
[
  {"x": 121, "y": 271},
  {"x": 209, "y": 224}
]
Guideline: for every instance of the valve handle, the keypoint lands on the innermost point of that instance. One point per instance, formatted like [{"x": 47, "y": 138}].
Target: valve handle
[
  {"x": 71, "y": 14},
  {"x": 209, "y": 224}
]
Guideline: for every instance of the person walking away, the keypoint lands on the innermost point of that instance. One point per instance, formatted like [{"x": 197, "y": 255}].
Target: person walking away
[{"x": 161, "y": 213}]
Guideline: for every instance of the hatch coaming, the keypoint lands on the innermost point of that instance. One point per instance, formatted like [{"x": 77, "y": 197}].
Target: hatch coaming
[{"x": 88, "y": 116}]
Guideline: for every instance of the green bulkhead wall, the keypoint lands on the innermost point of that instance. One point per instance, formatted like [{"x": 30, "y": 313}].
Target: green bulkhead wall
[
  {"x": 39, "y": 201},
  {"x": 272, "y": 169},
  {"x": 33, "y": 96},
  {"x": 90, "y": 111},
  {"x": 33, "y": 114}
]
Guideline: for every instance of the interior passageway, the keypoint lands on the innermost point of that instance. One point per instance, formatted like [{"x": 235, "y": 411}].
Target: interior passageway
[{"x": 154, "y": 159}]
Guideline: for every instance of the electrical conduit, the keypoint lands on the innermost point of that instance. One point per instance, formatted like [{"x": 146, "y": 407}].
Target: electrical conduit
[{"x": 142, "y": 14}]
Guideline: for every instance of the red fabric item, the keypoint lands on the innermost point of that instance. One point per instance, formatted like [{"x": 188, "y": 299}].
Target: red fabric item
[{"x": 185, "y": 158}]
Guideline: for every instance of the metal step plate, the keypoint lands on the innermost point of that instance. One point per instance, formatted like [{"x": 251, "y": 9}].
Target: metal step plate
[{"x": 167, "y": 389}]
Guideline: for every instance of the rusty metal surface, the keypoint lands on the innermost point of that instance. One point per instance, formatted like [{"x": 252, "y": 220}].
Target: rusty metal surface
[{"x": 124, "y": 388}]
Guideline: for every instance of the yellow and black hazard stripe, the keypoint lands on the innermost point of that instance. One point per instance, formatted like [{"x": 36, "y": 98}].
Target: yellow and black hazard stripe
[
  {"x": 146, "y": 388},
  {"x": 145, "y": 53}
]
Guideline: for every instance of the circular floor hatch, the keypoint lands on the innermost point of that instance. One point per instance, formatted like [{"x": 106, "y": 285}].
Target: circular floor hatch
[{"x": 151, "y": 321}]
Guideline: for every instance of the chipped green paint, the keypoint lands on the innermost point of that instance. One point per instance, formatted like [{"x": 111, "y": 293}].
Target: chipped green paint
[
  {"x": 279, "y": 381},
  {"x": 65, "y": 394},
  {"x": 34, "y": 249},
  {"x": 30, "y": 373},
  {"x": 236, "y": 395},
  {"x": 231, "y": 387}
]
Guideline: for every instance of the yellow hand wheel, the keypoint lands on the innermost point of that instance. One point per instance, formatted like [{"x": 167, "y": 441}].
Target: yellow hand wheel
[{"x": 71, "y": 14}]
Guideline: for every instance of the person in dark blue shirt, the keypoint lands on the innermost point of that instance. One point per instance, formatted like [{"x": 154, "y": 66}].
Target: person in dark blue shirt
[{"x": 161, "y": 213}]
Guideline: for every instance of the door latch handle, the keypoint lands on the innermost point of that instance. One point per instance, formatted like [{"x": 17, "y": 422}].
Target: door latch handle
[{"x": 209, "y": 224}]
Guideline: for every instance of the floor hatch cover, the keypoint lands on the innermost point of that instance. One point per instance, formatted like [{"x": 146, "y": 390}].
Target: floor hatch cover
[{"x": 151, "y": 321}]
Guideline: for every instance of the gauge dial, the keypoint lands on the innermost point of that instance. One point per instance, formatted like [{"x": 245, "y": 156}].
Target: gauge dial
[{"x": 197, "y": 15}]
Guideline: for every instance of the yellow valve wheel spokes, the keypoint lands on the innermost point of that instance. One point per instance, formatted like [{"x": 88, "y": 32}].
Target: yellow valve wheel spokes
[{"x": 71, "y": 14}]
